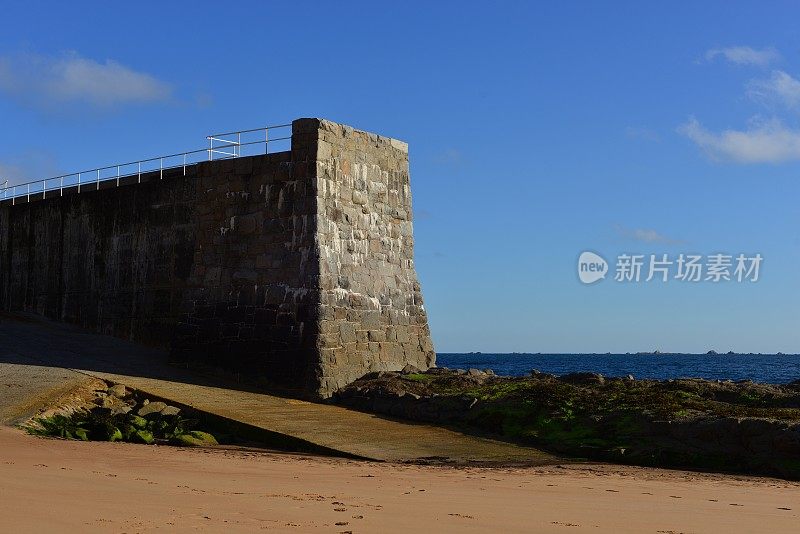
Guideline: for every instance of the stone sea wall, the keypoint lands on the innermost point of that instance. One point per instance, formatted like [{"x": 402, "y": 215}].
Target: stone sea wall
[{"x": 292, "y": 269}]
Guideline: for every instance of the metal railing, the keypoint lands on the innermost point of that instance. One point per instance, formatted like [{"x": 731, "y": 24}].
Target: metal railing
[{"x": 228, "y": 145}]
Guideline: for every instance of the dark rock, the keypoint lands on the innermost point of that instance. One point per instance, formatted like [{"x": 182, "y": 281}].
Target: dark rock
[
  {"x": 788, "y": 441},
  {"x": 411, "y": 370},
  {"x": 371, "y": 376},
  {"x": 388, "y": 374},
  {"x": 114, "y": 404},
  {"x": 751, "y": 426},
  {"x": 171, "y": 410},
  {"x": 583, "y": 378}
]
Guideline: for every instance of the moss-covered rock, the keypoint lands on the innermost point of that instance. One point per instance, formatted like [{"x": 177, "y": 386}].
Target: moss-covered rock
[
  {"x": 195, "y": 438},
  {"x": 142, "y": 421},
  {"x": 717, "y": 425}
]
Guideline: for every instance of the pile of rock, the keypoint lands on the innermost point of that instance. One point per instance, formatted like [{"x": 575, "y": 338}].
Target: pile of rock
[
  {"x": 115, "y": 413},
  {"x": 117, "y": 399}
]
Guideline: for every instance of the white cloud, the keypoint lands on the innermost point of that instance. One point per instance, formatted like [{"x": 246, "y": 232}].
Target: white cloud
[
  {"x": 762, "y": 142},
  {"x": 780, "y": 88},
  {"x": 745, "y": 55},
  {"x": 646, "y": 235},
  {"x": 51, "y": 81}
]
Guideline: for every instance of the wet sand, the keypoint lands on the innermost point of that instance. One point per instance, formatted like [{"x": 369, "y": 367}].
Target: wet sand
[{"x": 63, "y": 486}]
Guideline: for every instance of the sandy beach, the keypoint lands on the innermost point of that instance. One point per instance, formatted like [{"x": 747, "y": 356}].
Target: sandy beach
[{"x": 63, "y": 486}]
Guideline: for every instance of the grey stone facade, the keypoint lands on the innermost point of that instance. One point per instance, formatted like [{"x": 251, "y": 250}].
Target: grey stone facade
[
  {"x": 371, "y": 311},
  {"x": 294, "y": 269}
]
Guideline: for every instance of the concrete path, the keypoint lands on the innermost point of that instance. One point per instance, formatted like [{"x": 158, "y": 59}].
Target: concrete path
[{"x": 42, "y": 358}]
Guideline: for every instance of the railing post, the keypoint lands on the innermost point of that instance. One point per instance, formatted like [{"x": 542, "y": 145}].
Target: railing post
[
  {"x": 117, "y": 175},
  {"x": 61, "y": 186},
  {"x": 184, "y": 164},
  {"x": 266, "y": 140},
  {"x": 161, "y": 168},
  {"x": 79, "y": 182},
  {"x": 140, "y": 171},
  {"x": 98, "y": 179},
  {"x": 238, "y": 144}
]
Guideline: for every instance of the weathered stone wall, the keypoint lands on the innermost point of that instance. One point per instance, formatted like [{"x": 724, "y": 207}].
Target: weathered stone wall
[
  {"x": 113, "y": 260},
  {"x": 5, "y": 256},
  {"x": 252, "y": 302},
  {"x": 293, "y": 269},
  {"x": 371, "y": 311}
]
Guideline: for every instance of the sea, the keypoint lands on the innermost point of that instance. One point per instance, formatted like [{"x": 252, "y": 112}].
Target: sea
[{"x": 769, "y": 368}]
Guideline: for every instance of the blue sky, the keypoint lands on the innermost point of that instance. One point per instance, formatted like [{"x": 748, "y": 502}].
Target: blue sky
[{"x": 537, "y": 131}]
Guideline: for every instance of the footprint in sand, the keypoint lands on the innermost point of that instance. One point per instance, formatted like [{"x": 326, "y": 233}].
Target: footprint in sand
[
  {"x": 734, "y": 504},
  {"x": 564, "y": 524},
  {"x": 676, "y": 497},
  {"x": 783, "y": 508},
  {"x": 612, "y": 491}
]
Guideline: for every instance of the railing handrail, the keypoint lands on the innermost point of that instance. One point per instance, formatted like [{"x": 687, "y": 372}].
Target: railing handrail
[
  {"x": 274, "y": 127},
  {"x": 234, "y": 145}
]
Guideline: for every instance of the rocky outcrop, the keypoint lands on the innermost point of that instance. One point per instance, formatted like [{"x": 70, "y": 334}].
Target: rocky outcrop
[{"x": 744, "y": 427}]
